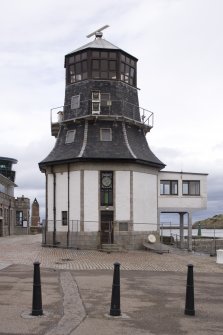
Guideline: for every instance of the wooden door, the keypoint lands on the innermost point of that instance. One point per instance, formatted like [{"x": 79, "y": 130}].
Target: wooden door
[{"x": 107, "y": 227}]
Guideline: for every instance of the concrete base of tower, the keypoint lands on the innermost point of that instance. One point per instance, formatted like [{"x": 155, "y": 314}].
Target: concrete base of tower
[{"x": 133, "y": 240}]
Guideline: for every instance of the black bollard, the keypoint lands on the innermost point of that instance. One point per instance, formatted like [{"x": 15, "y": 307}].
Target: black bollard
[
  {"x": 37, "y": 295},
  {"x": 115, "y": 299},
  {"x": 189, "y": 304}
]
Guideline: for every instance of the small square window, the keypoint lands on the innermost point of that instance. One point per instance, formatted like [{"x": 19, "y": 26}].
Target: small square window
[
  {"x": 106, "y": 134},
  {"x": 70, "y": 136},
  {"x": 75, "y": 101},
  {"x": 123, "y": 226}
]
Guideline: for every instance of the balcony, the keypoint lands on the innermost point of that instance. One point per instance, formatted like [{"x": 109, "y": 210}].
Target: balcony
[{"x": 110, "y": 110}]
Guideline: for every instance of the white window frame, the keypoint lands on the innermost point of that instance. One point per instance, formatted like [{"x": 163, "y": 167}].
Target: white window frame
[
  {"x": 103, "y": 137},
  {"x": 75, "y": 102},
  {"x": 70, "y": 136}
]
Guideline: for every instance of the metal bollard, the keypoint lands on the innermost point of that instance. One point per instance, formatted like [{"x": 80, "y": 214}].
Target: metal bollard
[
  {"x": 115, "y": 299},
  {"x": 37, "y": 295},
  {"x": 189, "y": 304}
]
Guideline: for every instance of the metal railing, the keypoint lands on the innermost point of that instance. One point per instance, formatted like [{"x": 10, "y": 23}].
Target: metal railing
[{"x": 112, "y": 108}]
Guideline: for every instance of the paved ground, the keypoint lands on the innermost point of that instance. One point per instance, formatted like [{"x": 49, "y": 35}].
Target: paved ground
[{"x": 76, "y": 291}]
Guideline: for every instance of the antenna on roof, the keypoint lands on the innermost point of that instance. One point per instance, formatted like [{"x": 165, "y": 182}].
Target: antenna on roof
[{"x": 97, "y": 32}]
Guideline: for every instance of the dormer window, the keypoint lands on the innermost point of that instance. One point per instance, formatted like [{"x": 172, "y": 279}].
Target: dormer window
[
  {"x": 105, "y": 134},
  {"x": 70, "y": 136}
]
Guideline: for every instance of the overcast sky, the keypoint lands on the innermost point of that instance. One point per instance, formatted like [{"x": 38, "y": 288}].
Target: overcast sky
[{"x": 179, "y": 44}]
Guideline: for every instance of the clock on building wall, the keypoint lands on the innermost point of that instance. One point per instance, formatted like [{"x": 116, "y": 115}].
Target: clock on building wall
[{"x": 106, "y": 181}]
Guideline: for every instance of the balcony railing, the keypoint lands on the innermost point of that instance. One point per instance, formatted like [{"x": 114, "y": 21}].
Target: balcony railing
[{"x": 109, "y": 109}]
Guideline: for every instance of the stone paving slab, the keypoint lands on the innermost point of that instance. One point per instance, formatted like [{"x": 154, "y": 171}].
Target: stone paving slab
[
  {"x": 27, "y": 249},
  {"x": 77, "y": 285}
]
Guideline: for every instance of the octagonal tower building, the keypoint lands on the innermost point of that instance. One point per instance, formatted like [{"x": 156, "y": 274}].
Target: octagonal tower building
[{"x": 101, "y": 176}]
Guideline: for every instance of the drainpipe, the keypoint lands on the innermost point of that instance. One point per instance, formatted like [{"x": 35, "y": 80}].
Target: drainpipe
[
  {"x": 68, "y": 203},
  {"x": 9, "y": 218},
  {"x": 54, "y": 207},
  {"x": 45, "y": 229}
]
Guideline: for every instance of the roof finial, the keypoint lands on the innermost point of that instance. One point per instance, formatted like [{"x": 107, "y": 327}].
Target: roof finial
[{"x": 98, "y": 33}]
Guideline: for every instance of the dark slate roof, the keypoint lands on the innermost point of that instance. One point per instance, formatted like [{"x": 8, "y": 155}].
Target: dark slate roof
[
  {"x": 98, "y": 43},
  {"x": 127, "y": 144},
  {"x": 139, "y": 145}
]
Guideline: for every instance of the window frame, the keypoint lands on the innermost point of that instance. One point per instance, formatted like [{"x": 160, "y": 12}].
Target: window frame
[
  {"x": 171, "y": 182},
  {"x": 69, "y": 133},
  {"x": 190, "y": 186},
  {"x": 64, "y": 218},
  {"x": 102, "y": 139},
  {"x": 106, "y": 192}
]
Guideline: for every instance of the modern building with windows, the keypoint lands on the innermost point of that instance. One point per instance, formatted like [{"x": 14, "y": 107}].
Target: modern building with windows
[
  {"x": 104, "y": 185},
  {"x": 14, "y": 212}
]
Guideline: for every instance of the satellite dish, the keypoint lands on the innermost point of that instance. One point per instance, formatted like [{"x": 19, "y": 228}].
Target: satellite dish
[
  {"x": 98, "y": 31},
  {"x": 151, "y": 238}
]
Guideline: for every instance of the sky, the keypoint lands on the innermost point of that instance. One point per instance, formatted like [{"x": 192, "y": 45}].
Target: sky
[{"x": 179, "y": 44}]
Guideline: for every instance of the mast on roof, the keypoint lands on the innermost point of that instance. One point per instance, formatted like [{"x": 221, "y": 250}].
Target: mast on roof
[{"x": 98, "y": 32}]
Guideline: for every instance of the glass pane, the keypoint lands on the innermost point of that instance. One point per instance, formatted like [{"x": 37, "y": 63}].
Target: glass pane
[
  {"x": 104, "y": 65},
  {"x": 122, "y": 77},
  {"x": 122, "y": 67},
  {"x": 95, "y": 106},
  {"x": 95, "y": 74},
  {"x": 78, "y": 68},
  {"x": 104, "y": 54},
  {"x": 132, "y": 62},
  {"x": 72, "y": 79},
  {"x": 84, "y": 75},
  {"x": 132, "y": 72},
  {"x": 70, "y": 135},
  {"x": 112, "y": 55},
  {"x": 194, "y": 188},
  {"x": 130, "y": 81},
  {"x": 95, "y": 54},
  {"x": 95, "y": 64},
  {"x": 185, "y": 188},
  {"x": 127, "y": 68},
  {"x": 126, "y": 79},
  {"x": 106, "y": 134},
  {"x": 71, "y": 69},
  {"x": 112, "y": 75},
  {"x": 84, "y": 66},
  {"x": 104, "y": 75},
  {"x": 78, "y": 77},
  {"x": 161, "y": 188},
  {"x": 84, "y": 55},
  {"x": 123, "y": 58},
  {"x": 127, "y": 60},
  {"x": 166, "y": 187},
  {"x": 112, "y": 65},
  {"x": 174, "y": 186},
  {"x": 77, "y": 58},
  {"x": 71, "y": 59}
]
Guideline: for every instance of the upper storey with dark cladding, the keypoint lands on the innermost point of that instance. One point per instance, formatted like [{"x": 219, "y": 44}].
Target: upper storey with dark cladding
[{"x": 100, "y": 60}]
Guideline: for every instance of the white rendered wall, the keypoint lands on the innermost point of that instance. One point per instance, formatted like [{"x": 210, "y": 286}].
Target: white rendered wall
[
  {"x": 74, "y": 198},
  {"x": 144, "y": 201},
  {"x": 122, "y": 195},
  {"x": 61, "y": 198},
  {"x": 182, "y": 202},
  {"x": 91, "y": 220},
  {"x": 50, "y": 201}
]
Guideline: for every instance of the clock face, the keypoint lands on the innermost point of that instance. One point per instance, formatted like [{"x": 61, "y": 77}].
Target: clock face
[{"x": 106, "y": 181}]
